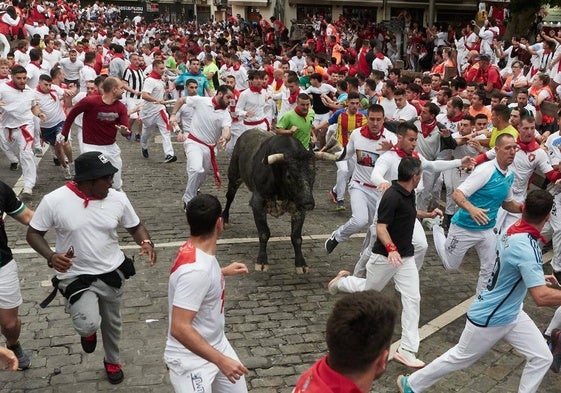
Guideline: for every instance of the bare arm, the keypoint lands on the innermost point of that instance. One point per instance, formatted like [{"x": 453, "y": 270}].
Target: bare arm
[
  {"x": 142, "y": 238},
  {"x": 478, "y": 215},
  {"x": 384, "y": 236},
  {"x": 24, "y": 217}
]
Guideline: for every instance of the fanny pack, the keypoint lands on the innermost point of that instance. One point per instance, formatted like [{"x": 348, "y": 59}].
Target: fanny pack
[{"x": 74, "y": 291}]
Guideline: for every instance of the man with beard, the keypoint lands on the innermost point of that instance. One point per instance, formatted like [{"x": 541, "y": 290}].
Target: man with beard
[
  {"x": 210, "y": 126},
  {"x": 104, "y": 115}
]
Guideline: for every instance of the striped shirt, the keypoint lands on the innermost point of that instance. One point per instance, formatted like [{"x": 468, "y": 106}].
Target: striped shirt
[{"x": 135, "y": 80}]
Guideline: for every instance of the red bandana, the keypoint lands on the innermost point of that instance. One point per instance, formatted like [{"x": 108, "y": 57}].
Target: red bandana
[
  {"x": 528, "y": 147},
  {"x": 293, "y": 96},
  {"x": 380, "y": 56},
  {"x": 51, "y": 92},
  {"x": 278, "y": 84},
  {"x": 255, "y": 89},
  {"x": 134, "y": 68},
  {"x": 299, "y": 113},
  {"x": 402, "y": 154},
  {"x": 365, "y": 132},
  {"x": 217, "y": 106},
  {"x": 236, "y": 67},
  {"x": 457, "y": 118},
  {"x": 11, "y": 84},
  {"x": 426, "y": 128},
  {"x": 522, "y": 226},
  {"x": 73, "y": 187},
  {"x": 155, "y": 75}
]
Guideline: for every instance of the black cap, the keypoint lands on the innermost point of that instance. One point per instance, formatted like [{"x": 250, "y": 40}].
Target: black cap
[{"x": 93, "y": 165}]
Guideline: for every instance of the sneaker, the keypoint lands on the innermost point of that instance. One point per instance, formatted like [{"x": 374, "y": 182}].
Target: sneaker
[
  {"x": 72, "y": 169},
  {"x": 38, "y": 152},
  {"x": 23, "y": 358},
  {"x": 332, "y": 286},
  {"x": 340, "y": 206},
  {"x": 145, "y": 153},
  {"x": 114, "y": 373},
  {"x": 14, "y": 166},
  {"x": 137, "y": 137},
  {"x": 555, "y": 339},
  {"x": 330, "y": 244},
  {"x": 170, "y": 158},
  {"x": 439, "y": 239},
  {"x": 56, "y": 161},
  {"x": 26, "y": 193},
  {"x": 333, "y": 196},
  {"x": 403, "y": 384},
  {"x": 408, "y": 358},
  {"x": 89, "y": 343},
  {"x": 66, "y": 172}
]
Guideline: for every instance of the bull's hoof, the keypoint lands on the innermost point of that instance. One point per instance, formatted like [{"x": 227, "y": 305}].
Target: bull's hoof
[
  {"x": 261, "y": 267},
  {"x": 302, "y": 269}
]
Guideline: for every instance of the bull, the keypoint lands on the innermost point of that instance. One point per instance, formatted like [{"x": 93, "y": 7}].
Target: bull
[{"x": 280, "y": 173}]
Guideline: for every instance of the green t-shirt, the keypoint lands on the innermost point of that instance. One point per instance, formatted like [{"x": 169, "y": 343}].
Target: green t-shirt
[
  {"x": 304, "y": 132},
  {"x": 212, "y": 67},
  {"x": 171, "y": 63},
  {"x": 507, "y": 130}
]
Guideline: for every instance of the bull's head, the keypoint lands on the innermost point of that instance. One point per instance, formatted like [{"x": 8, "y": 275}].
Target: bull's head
[{"x": 294, "y": 177}]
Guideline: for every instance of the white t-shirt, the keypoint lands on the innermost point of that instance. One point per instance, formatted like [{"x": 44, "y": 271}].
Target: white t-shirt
[
  {"x": 207, "y": 123},
  {"x": 16, "y": 110},
  {"x": 156, "y": 88},
  {"x": 71, "y": 69},
  {"x": 91, "y": 230},
  {"x": 51, "y": 106},
  {"x": 408, "y": 112},
  {"x": 196, "y": 284}
]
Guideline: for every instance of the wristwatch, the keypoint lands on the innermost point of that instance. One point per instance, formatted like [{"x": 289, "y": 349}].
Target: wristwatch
[{"x": 147, "y": 241}]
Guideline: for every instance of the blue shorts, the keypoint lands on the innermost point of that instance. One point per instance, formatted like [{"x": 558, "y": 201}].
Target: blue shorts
[{"x": 49, "y": 134}]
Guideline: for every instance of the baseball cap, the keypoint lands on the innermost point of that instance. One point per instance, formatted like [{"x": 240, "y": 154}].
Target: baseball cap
[{"x": 92, "y": 165}]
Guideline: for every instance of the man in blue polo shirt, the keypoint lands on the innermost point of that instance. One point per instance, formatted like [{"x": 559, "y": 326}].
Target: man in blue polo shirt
[
  {"x": 196, "y": 74},
  {"x": 479, "y": 198},
  {"x": 497, "y": 313}
]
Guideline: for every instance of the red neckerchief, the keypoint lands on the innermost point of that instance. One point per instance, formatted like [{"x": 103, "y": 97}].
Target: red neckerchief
[
  {"x": 426, "y": 128},
  {"x": 278, "y": 84},
  {"x": 528, "y": 147},
  {"x": 299, "y": 113},
  {"x": 457, "y": 118},
  {"x": 49, "y": 50},
  {"x": 4, "y": 77},
  {"x": 35, "y": 64},
  {"x": 255, "y": 89},
  {"x": 236, "y": 67},
  {"x": 365, "y": 132},
  {"x": 547, "y": 51},
  {"x": 155, "y": 75},
  {"x": 402, "y": 154},
  {"x": 74, "y": 188},
  {"x": 380, "y": 56},
  {"x": 217, "y": 106},
  {"x": 11, "y": 84},
  {"x": 119, "y": 55},
  {"x": 293, "y": 96},
  {"x": 186, "y": 254},
  {"x": 134, "y": 68},
  {"x": 522, "y": 226},
  {"x": 50, "y": 92}
]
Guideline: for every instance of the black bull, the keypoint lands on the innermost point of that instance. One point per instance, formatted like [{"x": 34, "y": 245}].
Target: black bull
[{"x": 280, "y": 173}]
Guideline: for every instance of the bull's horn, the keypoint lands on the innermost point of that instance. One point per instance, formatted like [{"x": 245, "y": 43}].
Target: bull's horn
[
  {"x": 273, "y": 158},
  {"x": 321, "y": 155}
]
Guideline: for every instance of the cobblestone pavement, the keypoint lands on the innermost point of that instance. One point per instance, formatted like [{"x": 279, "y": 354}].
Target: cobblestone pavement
[{"x": 275, "y": 320}]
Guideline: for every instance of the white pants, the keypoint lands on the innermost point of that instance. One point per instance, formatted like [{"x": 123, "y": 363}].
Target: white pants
[
  {"x": 158, "y": 121},
  {"x": 460, "y": 240},
  {"x": 406, "y": 277},
  {"x": 552, "y": 230},
  {"x": 452, "y": 180},
  {"x": 236, "y": 130},
  {"x": 16, "y": 142},
  {"x": 364, "y": 201},
  {"x": 555, "y": 322},
  {"x": 419, "y": 242},
  {"x": 198, "y": 164},
  {"x": 36, "y": 132},
  {"x": 113, "y": 154},
  {"x": 207, "y": 378},
  {"x": 10, "y": 294},
  {"x": 475, "y": 341},
  {"x": 344, "y": 169},
  {"x": 431, "y": 189},
  {"x": 505, "y": 219}
]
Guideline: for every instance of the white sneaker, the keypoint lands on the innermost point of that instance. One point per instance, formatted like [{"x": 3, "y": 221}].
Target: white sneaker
[
  {"x": 26, "y": 193},
  {"x": 408, "y": 358},
  {"x": 66, "y": 172},
  {"x": 439, "y": 239},
  {"x": 332, "y": 286},
  {"x": 72, "y": 169}
]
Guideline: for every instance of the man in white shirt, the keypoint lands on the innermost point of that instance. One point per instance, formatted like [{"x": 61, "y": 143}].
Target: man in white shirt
[
  {"x": 404, "y": 110},
  {"x": 198, "y": 354},
  {"x": 381, "y": 62},
  {"x": 71, "y": 67}
]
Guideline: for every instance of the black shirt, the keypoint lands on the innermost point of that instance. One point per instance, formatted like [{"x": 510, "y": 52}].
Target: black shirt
[
  {"x": 397, "y": 210},
  {"x": 10, "y": 204}
]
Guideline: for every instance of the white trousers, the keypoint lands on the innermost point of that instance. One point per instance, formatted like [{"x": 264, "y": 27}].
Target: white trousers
[
  {"x": 419, "y": 242},
  {"x": 522, "y": 334},
  {"x": 236, "y": 130},
  {"x": 198, "y": 165},
  {"x": 15, "y": 142},
  {"x": 344, "y": 169},
  {"x": 113, "y": 154},
  {"x": 552, "y": 230},
  {"x": 431, "y": 189},
  {"x": 207, "y": 378},
  {"x": 406, "y": 277},
  {"x": 364, "y": 201},
  {"x": 460, "y": 240},
  {"x": 160, "y": 122}
]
